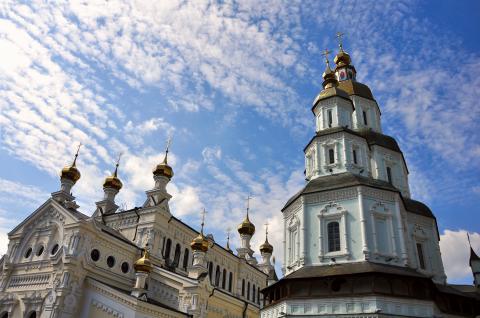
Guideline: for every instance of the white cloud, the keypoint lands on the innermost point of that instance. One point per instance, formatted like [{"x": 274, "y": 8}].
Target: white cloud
[
  {"x": 456, "y": 253},
  {"x": 26, "y": 195},
  {"x": 212, "y": 153}
]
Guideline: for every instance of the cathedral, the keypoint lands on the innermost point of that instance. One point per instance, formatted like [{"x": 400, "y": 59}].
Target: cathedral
[
  {"x": 142, "y": 262},
  {"x": 355, "y": 243}
]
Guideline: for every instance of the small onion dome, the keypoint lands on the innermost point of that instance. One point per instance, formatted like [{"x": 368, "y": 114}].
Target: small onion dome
[
  {"x": 200, "y": 243},
  {"x": 163, "y": 169},
  {"x": 143, "y": 264},
  {"x": 329, "y": 78},
  {"x": 342, "y": 58},
  {"x": 113, "y": 181},
  {"x": 246, "y": 227},
  {"x": 70, "y": 173},
  {"x": 266, "y": 247}
]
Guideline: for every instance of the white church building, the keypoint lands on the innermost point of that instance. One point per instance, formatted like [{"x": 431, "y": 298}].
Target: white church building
[{"x": 355, "y": 243}]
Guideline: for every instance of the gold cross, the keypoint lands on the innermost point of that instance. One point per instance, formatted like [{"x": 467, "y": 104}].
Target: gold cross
[
  {"x": 339, "y": 36},
  {"x": 76, "y": 154},
  {"x": 325, "y": 54},
  {"x": 203, "y": 219},
  {"x": 249, "y": 197},
  {"x": 118, "y": 159},
  {"x": 169, "y": 142},
  {"x": 228, "y": 233},
  {"x": 266, "y": 228}
]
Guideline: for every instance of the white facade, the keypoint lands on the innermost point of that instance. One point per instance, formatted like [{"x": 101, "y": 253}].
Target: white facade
[
  {"x": 62, "y": 263},
  {"x": 355, "y": 244}
]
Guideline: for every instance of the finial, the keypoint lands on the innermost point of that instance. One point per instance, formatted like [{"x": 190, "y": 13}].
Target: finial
[
  {"x": 325, "y": 54},
  {"x": 266, "y": 230},
  {"x": 203, "y": 219},
  {"x": 228, "y": 238},
  {"x": 249, "y": 197},
  {"x": 339, "y": 36},
  {"x": 117, "y": 164},
  {"x": 76, "y": 155},
  {"x": 167, "y": 147}
]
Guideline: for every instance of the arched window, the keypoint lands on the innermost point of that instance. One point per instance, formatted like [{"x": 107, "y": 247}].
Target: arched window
[
  {"x": 217, "y": 276},
  {"x": 224, "y": 278},
  {"x": 355, "y": 161},
  {"x": 333, "y": 237},
  {"x": 185, "y": 258},
  {"x": 210, "y": 271},
  {"x": 365, "y": 121},
  {"x": 230, "y": 277},
  {"x": 167, "y": 249},
  {"x": 176, "y": 258},
  {"x": 243, "y": 287},
  {"x": 258, "y": 295},
  {"x": 248, "y": 291},
  {"x": 33, "y": 314},
  {"x": 389, "y": 174},
  {"x": 331, "y": 156},
  {"x": 330, "y": 118},
  {"x": 253, "y": 293}
]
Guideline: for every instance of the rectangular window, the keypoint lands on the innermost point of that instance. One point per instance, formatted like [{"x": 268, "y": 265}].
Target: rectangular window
[
  {"x": 365, "y": 119},
  {"x": 421, "y": 260},
  {"x": 333, "y": 236},
  {"x": 389, "y": 174},
  {"x": 331, "y": 156},
  {"x": 330, "y": 118},
  {"x": 355, "y": 156}
]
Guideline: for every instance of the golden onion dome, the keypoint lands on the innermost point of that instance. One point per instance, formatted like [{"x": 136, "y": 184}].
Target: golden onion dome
[
  {"x": 342, "y": 58},
  {"x": 246, "y": 227},
  {"x": 266, "y": 247},
  {"x": 71, "y": 172},
  {"x": 113, "y": 181},
  {"x": 163, "y": 169},
  {"x": 200, "y": 243},
  {"x": 143, "y": 264}
]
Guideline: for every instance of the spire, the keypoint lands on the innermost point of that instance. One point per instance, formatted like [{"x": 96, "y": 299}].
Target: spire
[
  {"x": 169, "y": 140},
  {"x": 113, "y": 181},
  {"x": 71, "y": 172},
  {"x": 200, "y": 243},
  {"x": 342, "y": 58},
  {"x": 163, "y": 169},
  {"x": 203, "y": 220},
  {"x": 76, "y": 155},
  {"x": 228, "y": 241}
]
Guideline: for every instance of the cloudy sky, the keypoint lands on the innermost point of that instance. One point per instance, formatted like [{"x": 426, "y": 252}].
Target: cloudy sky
[{"x": 233, "y": 83}]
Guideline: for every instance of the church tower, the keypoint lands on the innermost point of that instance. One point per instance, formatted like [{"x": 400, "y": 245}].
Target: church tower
[{"x": 355, "y": 243}]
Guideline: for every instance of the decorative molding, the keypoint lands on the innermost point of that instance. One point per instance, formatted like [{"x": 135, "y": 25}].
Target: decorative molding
[
  {"x": 378, "y": 194},
  {"x": 112, "y": 312},
  {"x": 29, "y": 280},
  {"x": 336, "y": 195}
]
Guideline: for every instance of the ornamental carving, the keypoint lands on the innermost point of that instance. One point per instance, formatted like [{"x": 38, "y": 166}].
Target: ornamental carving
[
  {"x": 293, "y": 208},
  {"x": 378, "y": 194},
  {"x": 106, "y": 309},
  {"x": 330, "y": 196}
]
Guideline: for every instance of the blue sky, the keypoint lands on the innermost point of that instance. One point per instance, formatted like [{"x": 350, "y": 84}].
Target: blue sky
[{"x": 233, "y": 83}]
